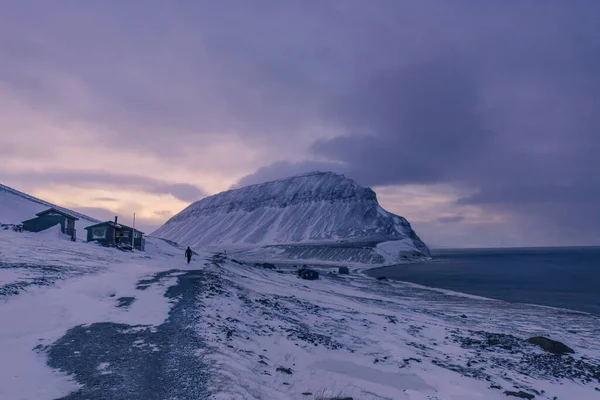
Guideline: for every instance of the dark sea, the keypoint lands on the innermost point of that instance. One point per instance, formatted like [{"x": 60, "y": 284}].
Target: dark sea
[{"x": 557, "y": 277}]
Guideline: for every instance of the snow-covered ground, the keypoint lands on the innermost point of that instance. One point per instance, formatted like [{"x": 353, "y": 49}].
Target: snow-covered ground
[
  {"x": 82, "y": 321},
  {"x": 16, "y": 207}
]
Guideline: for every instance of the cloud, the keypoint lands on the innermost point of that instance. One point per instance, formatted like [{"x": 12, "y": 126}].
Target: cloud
[
  {"x": 501, "y": 98},
  {"x": 164, "y": 214},
  {"x": 284, "y": 169},
  {"x": 105, "y": 214},
  {"x": 101, "y": 179},
  {"x": 452, "y": 219},
  {"x": 404, "y": 115},
  {"x": 508, "y": 113},
  {"x": 102, "y": 214},
  {"x": 106, "y": 199}
]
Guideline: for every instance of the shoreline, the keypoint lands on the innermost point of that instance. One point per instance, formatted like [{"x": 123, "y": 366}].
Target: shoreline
[{"x": 453, "y": 292}]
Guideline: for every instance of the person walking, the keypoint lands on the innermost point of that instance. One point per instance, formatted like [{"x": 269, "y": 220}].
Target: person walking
[{"x": 188, "y": 254}]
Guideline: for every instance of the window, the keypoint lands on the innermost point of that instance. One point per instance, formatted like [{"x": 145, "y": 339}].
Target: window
[
  {"x": 138, "y": 235},
  {"x": 99, "y": 233}
]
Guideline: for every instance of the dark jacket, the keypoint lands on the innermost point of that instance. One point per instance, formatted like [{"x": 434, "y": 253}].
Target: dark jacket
[{"x": 188, "y": 253}]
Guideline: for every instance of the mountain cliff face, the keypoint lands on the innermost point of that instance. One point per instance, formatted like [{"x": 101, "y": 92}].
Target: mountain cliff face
[{"x": 300, "y": 217}]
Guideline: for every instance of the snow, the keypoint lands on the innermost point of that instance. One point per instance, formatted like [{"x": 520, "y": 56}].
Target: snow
[
  {"x": 360, "y": 351},
  {"x": 312, "y": 209},
  {"x": 340, "y": 335},
  {"x": 92, "y": 278},
  {"x": 16, "y": 207},
  {"x": 393, "y": 250}
]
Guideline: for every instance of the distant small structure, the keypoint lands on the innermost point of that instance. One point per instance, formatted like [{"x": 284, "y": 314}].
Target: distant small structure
[
  {"x": 113, "y": 234},
  {"x": 49, "y": 218},
  {"x": 308, "y": 274},
  {"x": 343, "y": 270}
]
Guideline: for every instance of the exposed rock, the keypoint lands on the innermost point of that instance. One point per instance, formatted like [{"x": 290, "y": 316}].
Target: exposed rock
[
  {"x": 517, "y": 355},
  {"x": 520, "y": 394},
  {"x": 382, "y": 278},
  {"x": 463, "y": 316},
  {"x": 343, "y": 270},
  {"x": 551, "y": 346},
  {"x": 307, "y": 394},
  {"x": 125, "y": 302},
  {"x": 285, "y": 370},
  {"x": 265, "y": 265}
]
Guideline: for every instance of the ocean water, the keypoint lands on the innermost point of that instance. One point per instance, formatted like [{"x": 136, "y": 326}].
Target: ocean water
[{"x": 557, "y": 277}]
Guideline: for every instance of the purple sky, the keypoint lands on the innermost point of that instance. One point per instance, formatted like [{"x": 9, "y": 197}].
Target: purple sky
[{"x": 478, "y": 121}]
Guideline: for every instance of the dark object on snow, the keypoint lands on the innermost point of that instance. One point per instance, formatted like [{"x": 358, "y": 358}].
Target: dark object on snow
[
  {"x": 125, "y": 302},
  {"x": 463, "y": 316},
  {"x": 188, "y": 254},
  {"x": 49, "y": 218},
  {"x": 551, "y": 346},
  {"x": 343, "y": 270},
  {"x": 113, "y": 234},
  {"x": 308, "y": 274},
  {"x": 265, "y": 265},
  {"x": 521, "y": 395},
  {"x": 13, "y": 227},
  {"x": 285, "y": 370},
  {"x": 382, "y": 278}
]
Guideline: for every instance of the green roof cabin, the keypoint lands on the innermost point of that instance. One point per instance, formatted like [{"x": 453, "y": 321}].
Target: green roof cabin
[
  {"x": 49, "y": 218},
  {"x": 113, "y": 234}
]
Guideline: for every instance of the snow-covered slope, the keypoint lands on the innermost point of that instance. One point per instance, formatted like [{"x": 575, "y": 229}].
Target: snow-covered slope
[
  {"x": 81, "y": 321},
  {"x": 315, "y": 209},
  {"x": 16, "y": 207}
]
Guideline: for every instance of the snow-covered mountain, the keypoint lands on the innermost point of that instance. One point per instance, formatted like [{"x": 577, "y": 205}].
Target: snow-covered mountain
[
  {"x": 16, "y": 207},
  {"x": 318, "y": 216}
]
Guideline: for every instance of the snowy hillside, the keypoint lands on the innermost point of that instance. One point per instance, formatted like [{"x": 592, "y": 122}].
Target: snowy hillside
[
  {"x": 295, "y": 218},
  {"x": 81, "y": 321},
  {"x": 16, "y": 207}
]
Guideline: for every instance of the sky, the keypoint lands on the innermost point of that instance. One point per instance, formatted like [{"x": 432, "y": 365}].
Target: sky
[{"x": 477, "y": 121}]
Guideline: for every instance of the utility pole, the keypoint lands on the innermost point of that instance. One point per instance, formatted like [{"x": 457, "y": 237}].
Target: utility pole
[{"x": 133, "y": 233}]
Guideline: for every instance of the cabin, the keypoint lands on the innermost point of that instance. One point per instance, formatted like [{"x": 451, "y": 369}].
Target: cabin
[
  {"x": 113, "y": 234},
  {"x": 49, "y": 218}
]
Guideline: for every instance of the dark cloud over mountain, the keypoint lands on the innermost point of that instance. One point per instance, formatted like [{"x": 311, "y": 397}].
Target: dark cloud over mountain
[{"x": 497, "y": 97}]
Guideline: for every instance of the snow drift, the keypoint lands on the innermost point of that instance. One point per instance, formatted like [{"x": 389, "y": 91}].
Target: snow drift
[
  {"x": 16, "y": 207},
  {"x": 317, "y": 216}
]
